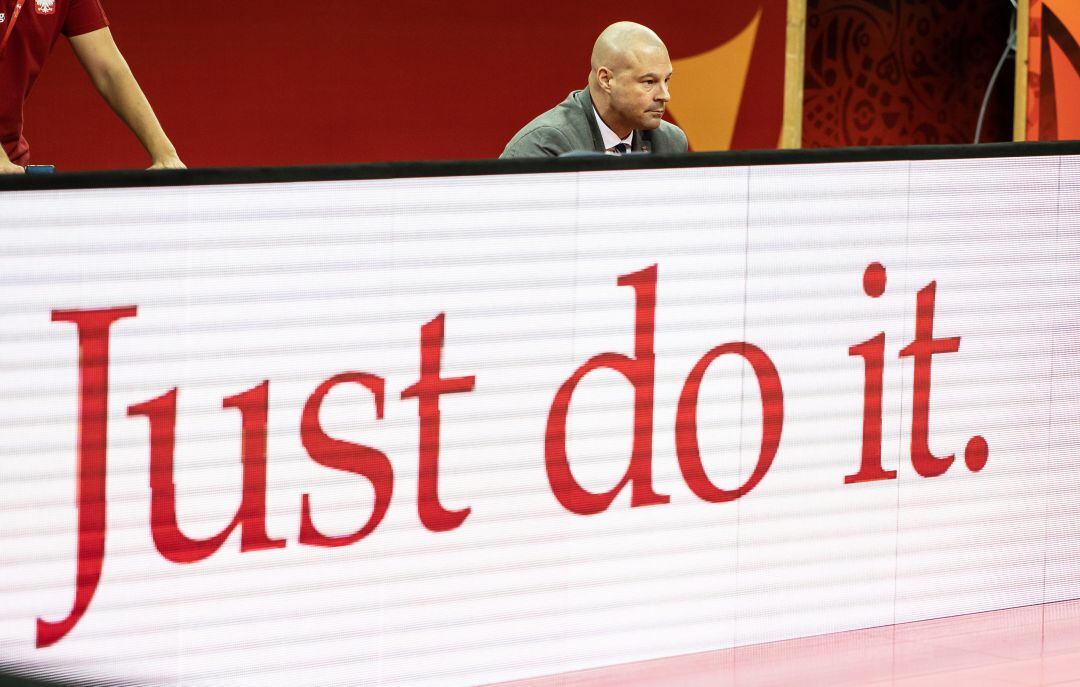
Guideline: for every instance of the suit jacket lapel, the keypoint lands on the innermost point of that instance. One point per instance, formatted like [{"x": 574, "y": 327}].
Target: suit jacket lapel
[
  {"x": 589, "y": 112},
  {"x": 643, "y": 141}
]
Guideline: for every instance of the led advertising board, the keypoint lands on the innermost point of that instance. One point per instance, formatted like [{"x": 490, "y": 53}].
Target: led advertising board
[{"x": 474, "y": 429}]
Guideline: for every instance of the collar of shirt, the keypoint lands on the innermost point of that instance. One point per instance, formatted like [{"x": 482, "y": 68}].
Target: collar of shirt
[{"x": 611, "y": 139}]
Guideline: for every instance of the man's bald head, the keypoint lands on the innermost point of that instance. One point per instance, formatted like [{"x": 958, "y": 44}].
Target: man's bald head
[
  {"x": 620, "y": 43},
  {"x": 628, "y": 79}
]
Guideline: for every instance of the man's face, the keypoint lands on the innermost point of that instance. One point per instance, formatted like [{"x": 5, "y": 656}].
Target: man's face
[{"x": 639, "y": 91}]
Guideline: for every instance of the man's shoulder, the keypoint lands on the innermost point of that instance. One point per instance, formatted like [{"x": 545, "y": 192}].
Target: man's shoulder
[
  {"x": 668, "y": 138},
  {"x": 561, "y": 129}
]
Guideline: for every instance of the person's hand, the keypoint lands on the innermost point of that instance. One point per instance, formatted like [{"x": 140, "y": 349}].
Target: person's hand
[
  {"x": 7, "y": 167},
  {"x": 168, "y": 162}
]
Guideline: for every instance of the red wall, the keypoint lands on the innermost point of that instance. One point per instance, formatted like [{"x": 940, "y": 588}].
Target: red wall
[{"x": 281, "y": 83}]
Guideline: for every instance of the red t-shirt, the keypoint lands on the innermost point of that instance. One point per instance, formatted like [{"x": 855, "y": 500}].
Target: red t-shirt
[{"x": 38, "y": 26}]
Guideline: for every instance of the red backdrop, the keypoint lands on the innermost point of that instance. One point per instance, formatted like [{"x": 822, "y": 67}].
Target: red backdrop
[{"x": 278, "y": 83}]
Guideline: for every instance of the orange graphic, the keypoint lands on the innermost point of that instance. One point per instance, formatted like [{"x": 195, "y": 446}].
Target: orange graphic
[
  {"x": 1053, "y": 111},
  {"x": 1067, "y": 95},
  {"x": 1068, "y": 12},
  {"x": 708, "y": 89}
]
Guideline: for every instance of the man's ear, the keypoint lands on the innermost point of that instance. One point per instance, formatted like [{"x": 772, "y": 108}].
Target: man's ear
[{"x": 604, "y": 77}]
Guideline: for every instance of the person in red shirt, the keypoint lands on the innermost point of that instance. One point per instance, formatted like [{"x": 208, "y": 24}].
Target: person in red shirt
[{"x": 28, "y": 31}]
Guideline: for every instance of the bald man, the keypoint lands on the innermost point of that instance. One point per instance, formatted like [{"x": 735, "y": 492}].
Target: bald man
[{"x": 620, "y": 110}]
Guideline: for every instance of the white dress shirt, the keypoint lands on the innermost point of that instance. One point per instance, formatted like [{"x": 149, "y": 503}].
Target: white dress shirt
[{"x": 611, "y": 139}]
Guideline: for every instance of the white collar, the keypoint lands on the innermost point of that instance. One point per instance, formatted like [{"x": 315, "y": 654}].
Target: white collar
[{"x": 611, "y": 139}]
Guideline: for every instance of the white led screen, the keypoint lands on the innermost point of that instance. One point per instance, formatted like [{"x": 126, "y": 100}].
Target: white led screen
[{"x": 467, "y": 430}]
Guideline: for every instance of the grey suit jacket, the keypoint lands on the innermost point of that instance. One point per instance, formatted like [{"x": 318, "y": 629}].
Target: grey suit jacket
[{"x": 571, "y": 126}]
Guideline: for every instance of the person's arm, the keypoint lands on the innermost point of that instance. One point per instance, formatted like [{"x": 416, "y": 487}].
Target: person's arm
[
  {"x": 112, "y": 77},
  {"x": 6, "y": 165}
]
